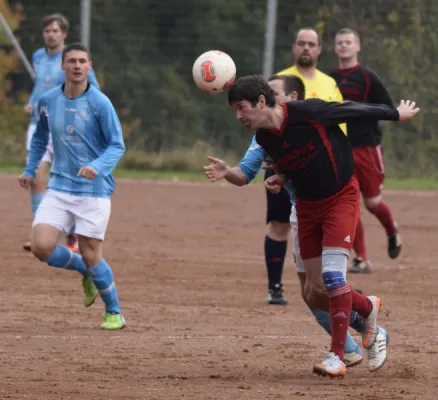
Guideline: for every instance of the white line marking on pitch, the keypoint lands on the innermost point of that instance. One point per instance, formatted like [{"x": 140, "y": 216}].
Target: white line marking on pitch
[{"x": 155, "y": 337}]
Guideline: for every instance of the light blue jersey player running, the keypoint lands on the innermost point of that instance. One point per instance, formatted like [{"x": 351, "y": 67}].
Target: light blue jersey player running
[
  {"x": 242, "y": 175},
  {"x": 87, "y": 144},
  {"x": 48, "y": 74}
]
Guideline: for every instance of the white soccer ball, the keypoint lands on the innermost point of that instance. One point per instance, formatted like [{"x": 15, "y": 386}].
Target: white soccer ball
[{"x": 214, "y": 71}]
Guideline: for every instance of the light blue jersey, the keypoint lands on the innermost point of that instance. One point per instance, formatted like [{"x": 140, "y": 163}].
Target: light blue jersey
[
  {"x": 48, "y": 75},
  {"x": 85, "y": 132},
  {"x": 252, "y": 161}
]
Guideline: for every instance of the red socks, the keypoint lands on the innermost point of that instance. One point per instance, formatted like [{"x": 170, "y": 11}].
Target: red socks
[
  {"x": 340, "y": 302},
  {"x": 360, "y": 304},
  {"x": 383, "y": 214}
]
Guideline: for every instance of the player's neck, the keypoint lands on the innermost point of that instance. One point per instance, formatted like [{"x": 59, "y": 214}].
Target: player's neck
[
  {"x": 55, "y": 50},
  {"x": 73, "y": 90},
  {"x": 274, "y": 118},
  {"x": 307, "y": 72},
  {"x": 347, "y": 63}
]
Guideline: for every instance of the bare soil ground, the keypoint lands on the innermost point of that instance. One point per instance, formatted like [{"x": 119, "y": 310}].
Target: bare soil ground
[{"x": 188, "y": 262}]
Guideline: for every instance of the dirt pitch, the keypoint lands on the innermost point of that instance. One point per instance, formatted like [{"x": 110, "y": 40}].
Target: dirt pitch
[{"x": 188, "y": 261}]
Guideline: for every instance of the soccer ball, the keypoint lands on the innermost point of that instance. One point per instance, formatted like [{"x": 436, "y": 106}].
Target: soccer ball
[{"x": 214, "y": 71}]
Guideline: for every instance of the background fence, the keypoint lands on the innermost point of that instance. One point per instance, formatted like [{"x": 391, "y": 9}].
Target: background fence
[{"x": 143, "y": 52}]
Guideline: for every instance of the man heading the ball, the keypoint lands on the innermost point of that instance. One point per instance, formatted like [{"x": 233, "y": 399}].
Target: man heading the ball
[
  {"x": 304, "y": 140},
  {"x": 288, "y": 88},
  {"x": 306, "y": 49}
]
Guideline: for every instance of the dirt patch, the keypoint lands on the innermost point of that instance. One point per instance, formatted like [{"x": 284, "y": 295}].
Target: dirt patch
[{"x": 188, "y": 262}]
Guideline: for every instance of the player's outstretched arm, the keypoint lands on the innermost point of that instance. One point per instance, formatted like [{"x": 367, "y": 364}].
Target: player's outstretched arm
[
  {"x": 111, "y": 129},
  {"x": 218, "y": 169},
  {"x": 243, "y": 173},
  {"x": 337, "y": 113},
  {"x": 40, "y": 139}
]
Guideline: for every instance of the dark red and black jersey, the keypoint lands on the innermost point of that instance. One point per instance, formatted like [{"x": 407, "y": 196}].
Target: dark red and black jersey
[
  {"x": 363, "y": 85},
  {"x": 312, "y": 150}
]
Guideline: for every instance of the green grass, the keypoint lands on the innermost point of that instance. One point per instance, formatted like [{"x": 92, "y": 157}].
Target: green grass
[
  {"x": 161, "y": 175},
  {"x": 390, "y": 183},
  {"x": 411, "y": 183}
]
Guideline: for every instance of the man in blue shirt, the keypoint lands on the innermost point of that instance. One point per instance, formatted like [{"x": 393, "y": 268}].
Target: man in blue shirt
[
  {"x": 287, "y": 89},
  {"x": 87, "y": 144},
  {"x": 48, "y": 74}
]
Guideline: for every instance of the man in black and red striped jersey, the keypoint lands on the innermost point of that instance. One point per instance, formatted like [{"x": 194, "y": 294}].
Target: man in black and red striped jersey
[
  {"x": 309, "y": 148},
  {"x": 358, "y": 83}
]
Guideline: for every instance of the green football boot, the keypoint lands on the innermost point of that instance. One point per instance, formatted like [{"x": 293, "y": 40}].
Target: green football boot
[
  {"x": 90, "y": 291},
  {"x": 113, "y": 322}
]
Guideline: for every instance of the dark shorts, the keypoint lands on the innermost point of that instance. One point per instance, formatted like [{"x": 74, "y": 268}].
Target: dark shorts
[
  {"x": 278, "y": 205},
  {"x": 328, "y": 223}
]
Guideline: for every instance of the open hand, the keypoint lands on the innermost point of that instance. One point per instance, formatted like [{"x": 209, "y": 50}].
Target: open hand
[
  {"x": 216, "y": 170},
  {"x": 407, "y": 110}
]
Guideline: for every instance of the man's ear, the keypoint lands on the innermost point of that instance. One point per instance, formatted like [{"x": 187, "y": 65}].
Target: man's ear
[
  {"x": 262, "y": 101},
  {"x": 293, "y": 96}
]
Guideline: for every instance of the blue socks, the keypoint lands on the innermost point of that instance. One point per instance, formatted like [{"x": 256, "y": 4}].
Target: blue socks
[
  {"x": 323, "y": 319},
  {"x": 62, "y": 257},
  {"x": 35, "y": 201},
  {"x": 102, "y": 276}
]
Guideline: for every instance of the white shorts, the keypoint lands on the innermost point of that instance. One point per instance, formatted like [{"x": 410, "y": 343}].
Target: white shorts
[
  {"x": 62, "y": 210},
  {"x": 299, "y": 264},
  {"x": 48, "y": 155}
]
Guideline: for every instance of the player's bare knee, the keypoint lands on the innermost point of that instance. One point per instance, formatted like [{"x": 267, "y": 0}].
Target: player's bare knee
[
  {"x": 372, "y": 202},
  {"x": 44, "y": 240},
  {"x": 90, "y": 258},
  {"x": 42, "y": 248},
  {"x": 91, "y": 250},
  {"x": 279, "y": 230},
  {"x": 90, "y": 255}
]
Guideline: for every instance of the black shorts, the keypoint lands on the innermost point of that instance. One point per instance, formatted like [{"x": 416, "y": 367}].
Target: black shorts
[{"x": 278, "y": 205}]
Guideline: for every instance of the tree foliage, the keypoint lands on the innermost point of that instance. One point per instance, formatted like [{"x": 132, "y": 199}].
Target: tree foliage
[
  {"x": 12, "y": 120},
  {"x": 143, "y": 51}
]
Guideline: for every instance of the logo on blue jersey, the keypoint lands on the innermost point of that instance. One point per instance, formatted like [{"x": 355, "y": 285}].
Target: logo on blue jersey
[{"x": 82, "y": 114}]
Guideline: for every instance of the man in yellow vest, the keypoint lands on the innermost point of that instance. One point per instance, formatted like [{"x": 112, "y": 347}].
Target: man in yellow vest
[{"x": 306, "y": 50}]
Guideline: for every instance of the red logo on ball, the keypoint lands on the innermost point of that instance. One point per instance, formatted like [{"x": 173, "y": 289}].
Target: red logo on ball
[{"x": 207, "y": 71}]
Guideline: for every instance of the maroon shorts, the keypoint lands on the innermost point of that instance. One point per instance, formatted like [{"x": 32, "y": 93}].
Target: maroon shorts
[
  {"x": 330, "y": 222},
  {"x": 368, "y": 169}
]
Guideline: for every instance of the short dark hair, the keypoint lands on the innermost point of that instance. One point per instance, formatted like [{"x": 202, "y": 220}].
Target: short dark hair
[
  {"x": 292, "y": 83},
  {"x": 346, "y": 31},
  {"x": 59, "y": 18},
  {"x": 308, "y": 29},
  {"x": 250, "y": 88},
  {"x": 75, "y": 46}
]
